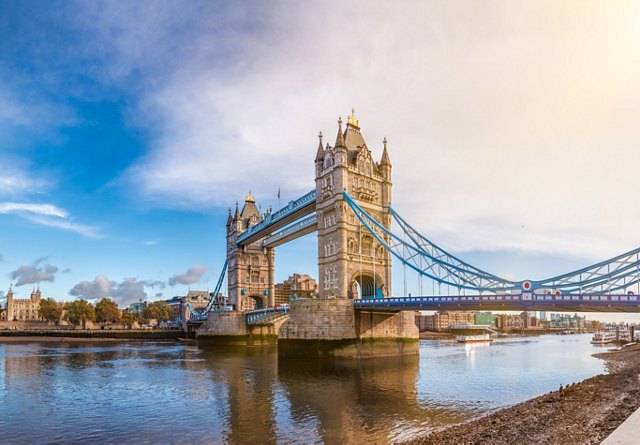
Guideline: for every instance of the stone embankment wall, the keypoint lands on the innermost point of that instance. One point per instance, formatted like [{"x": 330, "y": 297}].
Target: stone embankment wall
[{"x": 142, "y": 334}]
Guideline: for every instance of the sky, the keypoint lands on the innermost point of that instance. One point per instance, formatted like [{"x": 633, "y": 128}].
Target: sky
[{"x": 127, "y": 130}]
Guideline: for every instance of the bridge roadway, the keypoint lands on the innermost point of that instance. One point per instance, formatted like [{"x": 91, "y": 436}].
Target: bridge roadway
[{"x": 508, "y": 302}]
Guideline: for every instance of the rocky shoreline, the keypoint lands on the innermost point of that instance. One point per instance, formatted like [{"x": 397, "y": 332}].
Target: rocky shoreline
[{"x": 579, "y": 413}]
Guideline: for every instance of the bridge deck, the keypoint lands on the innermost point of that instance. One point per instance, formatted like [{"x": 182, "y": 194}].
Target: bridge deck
[
  {"x": 295, "y": 210},
  {"x": 571, "y": 303}
]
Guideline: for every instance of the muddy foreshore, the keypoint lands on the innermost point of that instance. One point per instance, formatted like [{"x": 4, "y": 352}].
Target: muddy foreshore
[{"x": 580, "y": 413}]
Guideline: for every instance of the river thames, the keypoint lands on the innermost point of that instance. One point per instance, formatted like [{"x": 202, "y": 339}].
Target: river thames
[{"x": 127, "y": 392}]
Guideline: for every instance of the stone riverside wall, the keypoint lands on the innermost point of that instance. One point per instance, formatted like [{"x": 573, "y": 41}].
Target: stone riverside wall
[
  {"x": 230, "y": 328},
  {"x": 136, "y": 334},
  {"x": 330, "y": 328}
]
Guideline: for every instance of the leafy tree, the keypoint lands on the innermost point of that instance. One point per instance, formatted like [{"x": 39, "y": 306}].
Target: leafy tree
[
  {"x": 127, "y": 318},
  {"x": 158, "y": 310},
  {"x": 107, "y": 311},
  {"x": 79, "y": 312},
  {"x": 50, "y": 310}
]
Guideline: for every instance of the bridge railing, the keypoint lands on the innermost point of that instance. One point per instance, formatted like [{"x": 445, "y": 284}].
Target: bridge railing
[
  {"x": 280, "y": 214},
  {"x": 260, "y": 314}
]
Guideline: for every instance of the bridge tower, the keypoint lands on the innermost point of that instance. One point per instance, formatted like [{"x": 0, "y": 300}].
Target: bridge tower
[
  {"x": 251, "y": 268},
  {"x": 352, "y": 264}
]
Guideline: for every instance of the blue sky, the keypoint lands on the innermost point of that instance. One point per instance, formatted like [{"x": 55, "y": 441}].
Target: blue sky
[{"x": 128, "y": 128}]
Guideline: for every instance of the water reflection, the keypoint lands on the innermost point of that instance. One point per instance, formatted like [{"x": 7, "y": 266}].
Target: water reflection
[{"x": 174, "y": 393}]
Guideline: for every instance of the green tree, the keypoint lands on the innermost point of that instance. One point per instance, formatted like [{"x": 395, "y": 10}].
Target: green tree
[
  {"x": 79, "y": 312},
  {"x": 127, "y": 318},
  {"x": 158, "y": 310},
  {"x": 107, "y": 311},
  {"x": 49, "y": 310}
]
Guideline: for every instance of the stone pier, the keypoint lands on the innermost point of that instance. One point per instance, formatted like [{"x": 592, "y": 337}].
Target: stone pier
[
  {"x": 231, "y": 329},
  {"x": 331, "y": 328}
]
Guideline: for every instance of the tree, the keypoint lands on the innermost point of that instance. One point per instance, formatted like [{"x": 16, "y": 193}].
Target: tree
[
  {"x": 107, "y": 311},
  {"x": 50, "y": 310},
  {"x": 79, "y": 312},
  {"x": 158, "y": 310},
  {"x": 127, "y": 318}
]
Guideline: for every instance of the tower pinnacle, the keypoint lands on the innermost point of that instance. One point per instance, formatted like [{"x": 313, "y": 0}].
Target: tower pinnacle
[{"x": 340, "y": 136}]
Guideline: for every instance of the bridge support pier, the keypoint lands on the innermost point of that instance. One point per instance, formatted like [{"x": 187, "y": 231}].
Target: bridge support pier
[
  {"x": 331, "y": 328},
  {"x": 231, "y": 329}
]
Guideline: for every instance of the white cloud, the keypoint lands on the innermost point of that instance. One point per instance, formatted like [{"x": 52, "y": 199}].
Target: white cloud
[
  {"x": 39, "y": 209},
  {"x": 125, "y": 292},
  {"x": 32, "y": 274},
  {"x": 81, "y": 229},
  {"x": 498, "y": 116},
  {"x": 193, "y": 275},
  {"x": 51, "y": 216}
]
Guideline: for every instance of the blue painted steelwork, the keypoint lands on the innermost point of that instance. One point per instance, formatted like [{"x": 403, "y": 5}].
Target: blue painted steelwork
[
  {"x": 438, "y": 269},
  {"x": 202, "y": 315},
  {"x": 281, "y": 214},
  {"x": 420, "y": 254},
  {"x": 254, "y": 316},
  {"x": 301, "y": 226},
  {"x": 518, "y": 302}
]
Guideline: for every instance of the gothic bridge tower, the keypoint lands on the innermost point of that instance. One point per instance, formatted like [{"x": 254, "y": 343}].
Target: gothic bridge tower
[
  {"x": 250, "y": 269},
  {"x": 352, "y": 264}
]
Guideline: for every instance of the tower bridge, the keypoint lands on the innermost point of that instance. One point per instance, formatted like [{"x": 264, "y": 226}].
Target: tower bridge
[{"x": 350, "y": 210}]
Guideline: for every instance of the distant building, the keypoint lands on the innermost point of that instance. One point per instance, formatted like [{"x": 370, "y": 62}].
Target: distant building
[
  {"x": 506, "y": 322},
  {"x": 23, "y": 309},
  {"x": 485, "y": 318},
  {"x": 137, "y": 308},
  {"x": 296, "y": 286},
  {"x": 197, "y": 298},
  {"x": 175, "y": 304},
  {"x": 444, "y": 320}
]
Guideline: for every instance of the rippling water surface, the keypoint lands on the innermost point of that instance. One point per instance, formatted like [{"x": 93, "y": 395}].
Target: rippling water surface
[{"x": 169, "y": 393}]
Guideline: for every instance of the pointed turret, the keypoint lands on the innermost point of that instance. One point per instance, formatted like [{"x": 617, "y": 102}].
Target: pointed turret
[
  {"x": 320, "y": 153},
  {"x": 229, "y": 218},
  {"x": 237, "y": 214},
  {"x": 340, "y": 136},
  {"x": 385, "y": 155}
]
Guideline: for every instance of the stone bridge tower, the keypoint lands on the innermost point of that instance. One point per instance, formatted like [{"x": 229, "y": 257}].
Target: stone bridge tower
[
  {"x": 250, "y": 269},
  {"x": 352, "y": 264}
]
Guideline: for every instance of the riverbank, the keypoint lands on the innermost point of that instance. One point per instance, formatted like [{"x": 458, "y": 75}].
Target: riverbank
[{"x": 585, "y": 412}]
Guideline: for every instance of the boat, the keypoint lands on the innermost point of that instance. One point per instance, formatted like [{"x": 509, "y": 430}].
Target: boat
[
  {"x": 603, "y": 338},
  {"x": 482, "y": 338}
]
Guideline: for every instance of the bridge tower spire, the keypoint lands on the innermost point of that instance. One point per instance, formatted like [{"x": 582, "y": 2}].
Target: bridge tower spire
[{"x": 352, "y": 264}]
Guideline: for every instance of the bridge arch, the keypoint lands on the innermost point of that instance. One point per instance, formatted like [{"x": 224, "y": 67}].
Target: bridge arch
[
  {"x": 252, "y": 302},
  {"x": 365, "y": 285}
]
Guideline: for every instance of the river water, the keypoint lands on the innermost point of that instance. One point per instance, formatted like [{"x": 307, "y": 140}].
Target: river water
[{"x": 128, "y": 392}]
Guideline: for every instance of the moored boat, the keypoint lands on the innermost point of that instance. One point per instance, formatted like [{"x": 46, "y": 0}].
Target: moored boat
[
  {"x": 482, "y": 338},
  {"x": 603, "y": 338}
]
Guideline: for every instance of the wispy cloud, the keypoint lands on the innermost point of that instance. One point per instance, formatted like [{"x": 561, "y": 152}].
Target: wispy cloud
[
  {"x": 492, "y": 124},
  {"x": 125, "y": 292},
  {"x": 31, "y": 274},
  {"x": 193, "y": 275},
  {"x": 81, "y": 229},
  {"x": 51, "y": 216},
  {"x": 39, "y": 209}
]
